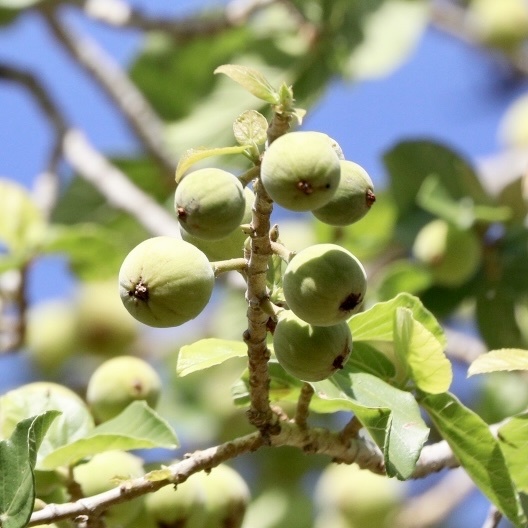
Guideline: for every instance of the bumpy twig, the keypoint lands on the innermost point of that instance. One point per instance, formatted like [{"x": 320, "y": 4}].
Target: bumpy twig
[{"x": 303, "y": 406}]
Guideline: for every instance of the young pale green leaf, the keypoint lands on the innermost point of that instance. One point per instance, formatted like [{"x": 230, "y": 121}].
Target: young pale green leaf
[
  {"x": 17, "y": 460},
  {"x": 136, "y": 427},
  {"x": 421, "y": 355},
  {"x": 477, "y": 450},
  {"x": 251, "y": 80},
  {"x": 207, "y": 353},
  {"x": 513, "y": 437},
  {"x": 391, "y": 416},
  {"x": 366, "y": 358},
  {"x": 250, "y": 127},
  {"x": 376, "y": 323},
  {"x": 193, "y": 155},
  {"x": 36, "y": 398},
  {"x": 21, "y": 222},
  {"x": 500, "y": 360}
]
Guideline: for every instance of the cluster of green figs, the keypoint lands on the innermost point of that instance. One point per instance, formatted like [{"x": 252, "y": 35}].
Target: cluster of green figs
[{"x": 167, "y": 281}]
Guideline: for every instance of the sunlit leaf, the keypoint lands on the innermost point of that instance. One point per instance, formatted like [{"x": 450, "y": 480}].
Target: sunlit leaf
[
  {"x": 376, "y": 323},
  {"x": 252, "y": 80},
  {"x": 477, "y": 450},
  {"x": 250, "y": 127},
  {"x": 193, "y": 155},
  {"x": 137, "y": 427},
  {"x": 17, "y": 460},
  {"x": 391, "y": 416},
  {"x": 36, "y": 398},
  {"x": 499, "y": 360},
  {"x": 420, "y": 354},
  {"x": 206, "y": 353},
  {"x": 513, "y": 437}
]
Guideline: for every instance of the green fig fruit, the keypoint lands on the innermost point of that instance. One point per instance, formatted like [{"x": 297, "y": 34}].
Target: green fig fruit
[
  {"x": 352, "y": 200},
  {"x": 165, "y": 282},
  {"x": 105, "y": 471},
  {"x": 51, "y": 334},
  {"x": 360, "y": 496},
  {"x": 118, "y": 382},
  {"x": 103, "y": 326},
  {"x": 300, "y": 170},
  {"x": 310, "y": 353},
  {"x": 324, "y": 284},
  {"x": 210, "y": 203},
  {"x": 229, "y": 247},
  {"x": 452, "y": 254}
]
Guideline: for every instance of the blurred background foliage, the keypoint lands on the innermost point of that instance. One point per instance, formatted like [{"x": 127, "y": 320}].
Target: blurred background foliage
[{"x": 307, "y": 44}]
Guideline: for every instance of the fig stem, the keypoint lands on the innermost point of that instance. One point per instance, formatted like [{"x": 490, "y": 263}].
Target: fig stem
[
  {"x": 248, "y": 176},
  {"x": 268, "y": 307},
  {"x": 303, "y": 406},
  {"x": 223, "y": 266},
  {"x": 351, "y": 429},
  {"x": 282, "y": 251}
]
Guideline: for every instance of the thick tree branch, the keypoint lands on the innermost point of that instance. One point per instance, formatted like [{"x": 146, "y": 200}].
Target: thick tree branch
[{"x": 115, "y": 83}]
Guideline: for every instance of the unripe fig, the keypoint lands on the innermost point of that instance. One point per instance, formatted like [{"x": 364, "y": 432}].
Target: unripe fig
[
  {"x": 51, "y": 334},
  {"x": 165, "y": 282},
  {"x": 310, "y": 353},
  {"x": 232, "y": 246},
  {"x": 118, "y": 382},
  {"x": 217, "y": 500},
  {"x": 353, "y": 198},
  {"x": 210, "y": 203},
  {"x": 362, "y": 497},
  {"x": 103, "y": 472},
  {"x": 324, "y": 284},
  {"x": 451, "y": 253},
  {"x": 104, "y": 326},
  {"x": 301, "y": 170}
]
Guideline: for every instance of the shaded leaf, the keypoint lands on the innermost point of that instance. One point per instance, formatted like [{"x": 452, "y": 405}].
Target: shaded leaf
[
  {"x": 403, "y": 276},
  {"x": 477, "y": 450},
  {"x": 499, "y": 360},
  {"x": 207, "y": 353},
  {"x": 252, "y": 80},
  {"x": 136, "y": 427},
  {"x": 17, "y": 460}
]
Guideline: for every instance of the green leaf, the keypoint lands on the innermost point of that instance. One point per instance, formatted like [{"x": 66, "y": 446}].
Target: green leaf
[
  {"x": 403, "y": 276},
  {"x": 391, "y": 416},
  {"x": 421, "y": 355},
  {"x": 435, "y": 198},
  {"x": 17, "y": 460},
  {"x": 251, "y": 127},
  {"x": 251, "y": 80},
  {"x": 513, "y": 437},
  {"x": 36, "y": 398},
  {"x": 376, "y": 323},
  {"x": 366, "y": 358},
  {"x": 136, "y": 427},
  {"x": 410, "y": 162},
  {"x": 207, "y": 353},
  {"x": 477, "y": 450},
  {"x": 83, "y": 245},
  {"x": 390, "y": 34},
  {"x": 193, "y": 155},
  {"x": 21, "y": 222},
  {"x": 499, "y": 360}
]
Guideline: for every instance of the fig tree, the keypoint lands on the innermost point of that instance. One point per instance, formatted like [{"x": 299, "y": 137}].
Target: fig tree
[
  {"x": 324, "y": 284},
  {"x": 232, "y": 246},
  {"x": 301, "y": 170},
  {"x": 210, "y": 203},
  {"x": 353, "y": 198},
  {"x": 103, "y": 472},
  {"x": 165, "y": 282},
  {"x": 118, "y": 382},
  {"x": 452, "y": 254},
  {"x": 310, "y": 353}
]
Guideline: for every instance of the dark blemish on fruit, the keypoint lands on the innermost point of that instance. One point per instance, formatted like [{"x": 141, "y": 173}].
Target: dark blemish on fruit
[
  {"x": 350, "y": 302},
  {"x": 305, "y": 187},
  {"x": 140, "y": 291},
  {"x": 371, "y": 198}
]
